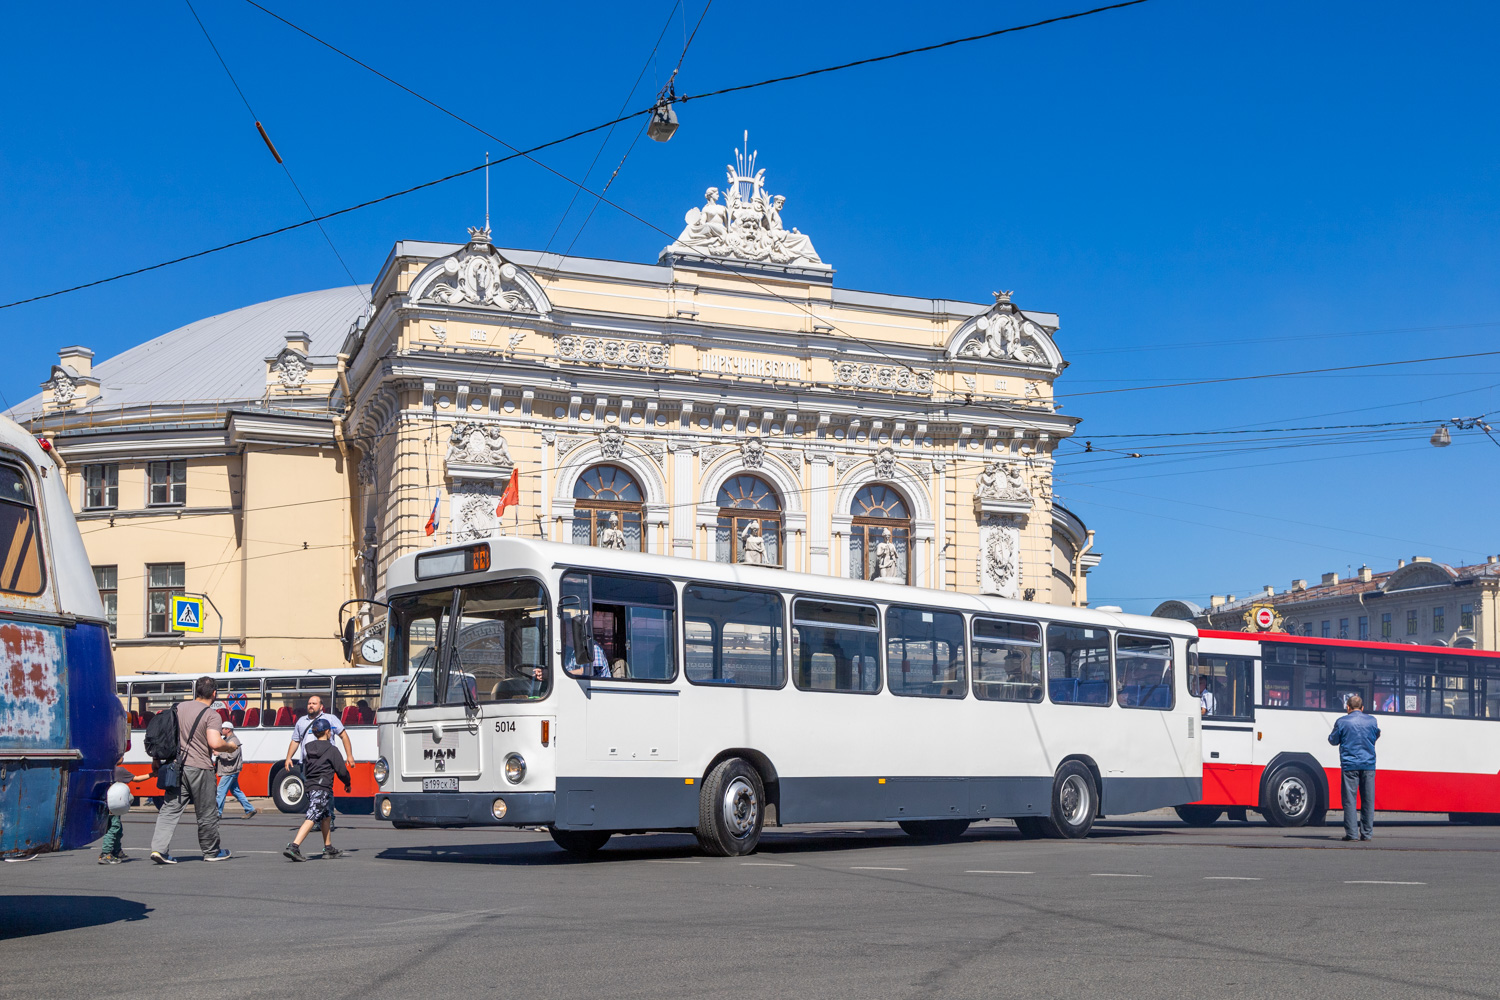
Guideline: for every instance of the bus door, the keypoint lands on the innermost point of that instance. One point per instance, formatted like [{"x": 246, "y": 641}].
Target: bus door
[{"x": 1225, "y": 687}]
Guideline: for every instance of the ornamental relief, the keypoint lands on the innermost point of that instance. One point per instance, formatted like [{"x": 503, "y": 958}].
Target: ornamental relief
[
  {"x": 631, "y": 354},
  {"x": 896, "y": 377}
]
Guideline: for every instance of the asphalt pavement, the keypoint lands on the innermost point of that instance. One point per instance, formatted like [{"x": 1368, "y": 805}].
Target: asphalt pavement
[{"x": 1146, "y": 907}]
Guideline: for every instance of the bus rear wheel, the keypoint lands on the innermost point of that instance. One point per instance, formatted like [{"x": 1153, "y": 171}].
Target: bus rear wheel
[
  {"x": 1075, "y": 803},
  {"x": 731, "y": 809},
  {"x": 288, "y": 790},
  {"x": 583, "y": 843},
  {"x": 936, "y": 830},
  {"x": 1199, "y": 815},
  {"x": 1291, "y": 798}
]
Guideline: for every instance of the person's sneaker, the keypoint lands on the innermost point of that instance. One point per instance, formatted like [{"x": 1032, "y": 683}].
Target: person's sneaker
[
  {"x": 107, "y": 859},
  {"x": 293, "y": 853},
  {"x": 163, "y": 859},
  {"x": 332, "y": 852},
  {"x": 120, "y": 858},
  {"x": 1350, "y": 838},
  {"x": 222, "y": 854},
  {"x": 250, "y": 812}
]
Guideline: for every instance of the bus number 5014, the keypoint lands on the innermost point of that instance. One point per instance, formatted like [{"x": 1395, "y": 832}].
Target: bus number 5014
[{"x": 505, "y": 725}]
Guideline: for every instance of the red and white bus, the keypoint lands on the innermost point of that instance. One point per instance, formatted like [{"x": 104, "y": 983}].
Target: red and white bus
[
  {"x": 264, "y": 705},
  {"x": 1273, "y": 698}
]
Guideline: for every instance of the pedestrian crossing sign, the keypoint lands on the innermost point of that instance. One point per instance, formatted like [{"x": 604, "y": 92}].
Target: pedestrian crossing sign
[
  {"x": 187, "y": 614},
  {"x": 238, "y": 661}
]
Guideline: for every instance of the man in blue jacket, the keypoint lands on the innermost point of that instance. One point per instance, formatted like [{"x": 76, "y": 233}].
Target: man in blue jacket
[{"x": 1355, "y": 735}]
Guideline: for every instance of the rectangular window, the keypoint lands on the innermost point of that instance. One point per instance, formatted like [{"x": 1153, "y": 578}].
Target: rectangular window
[
  {"x": 1077, "y": 665},
  {"x": 21, "y": 568},
  {"x": 1307, "y": 628},
  {"x": 1437, "y": 685},
  {"x": 107, "y": 579},
  {"x": 1437, "y": 619},
  {"x": 1372, "y": 676},
  {"x": 1343, "y": 628},
  {"x": 1225, "y": 685},
  {"x": 283, "y": 704},
  {"x": 241, "y": 695},
  {"x": 1143, "y": 671},
  {"x": 924, "y": 653},
  {"x": 733, "y": 636},
  {"x": 1466, "y": 616},
  {"x": 149, "y": 697},
  {"x": 356, "y": 697},
  {"x": 101, "y": 487},
  {"x": 629, "y": 621},
  {"x": 1007, "y": 660},
  {"x": 1294, "y": 676},
  {"x": 168, "y": 483},
  {"x": 1411, "y": 622},
  {"x": 1326, "y": 629},
  {"x": 1364, "y": 626},
  {"x": 1385, "y": 625},
  {"x": 162, "y": 581},
  {"x": 1487, "y": 689},
  {"x": 835, "y": 647}
]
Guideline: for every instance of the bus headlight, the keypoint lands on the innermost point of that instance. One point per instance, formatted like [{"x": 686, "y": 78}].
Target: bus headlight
[
  {"x": 497, "y": 809},
  {"x": 382, "y": 771},
  {"x": 515, "y": 768},
  {"x": 385, "y": 808}
]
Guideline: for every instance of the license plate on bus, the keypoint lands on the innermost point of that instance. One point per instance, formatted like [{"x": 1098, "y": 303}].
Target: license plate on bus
[{"x": 439, "y": 784}]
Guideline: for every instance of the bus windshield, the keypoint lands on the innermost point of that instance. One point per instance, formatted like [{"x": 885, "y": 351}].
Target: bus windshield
[{"x": 498, "y": 652}]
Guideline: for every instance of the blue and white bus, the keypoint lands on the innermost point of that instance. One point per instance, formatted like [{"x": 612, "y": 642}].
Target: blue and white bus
[
  {"x": 61, "y": 726},
  {"x": 595, "y": 692}
]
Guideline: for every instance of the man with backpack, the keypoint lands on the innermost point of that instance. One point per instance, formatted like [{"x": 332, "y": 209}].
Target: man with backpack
[{"x": 183, "y": 741}]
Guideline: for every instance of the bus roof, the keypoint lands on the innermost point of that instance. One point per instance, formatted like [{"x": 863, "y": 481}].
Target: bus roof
[
  {"x": 401, "y": 578},
  {"x": 1395, "y": 647}
]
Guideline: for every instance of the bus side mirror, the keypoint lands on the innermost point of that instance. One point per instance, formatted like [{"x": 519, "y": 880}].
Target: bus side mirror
[
  {"x": 583, "y": 638},
  {"x": 347, "y": 640}
]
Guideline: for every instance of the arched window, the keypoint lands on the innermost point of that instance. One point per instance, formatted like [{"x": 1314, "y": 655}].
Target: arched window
[
  {"x": 749, "y": 522},
  {"x": 878, "y": 510},
  {"x": 604, "y": 492}
]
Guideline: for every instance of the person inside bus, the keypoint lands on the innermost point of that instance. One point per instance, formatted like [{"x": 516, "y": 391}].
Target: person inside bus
[
  {"x": 598, "y": 665},
  {"x": 1207, "y": 703}
]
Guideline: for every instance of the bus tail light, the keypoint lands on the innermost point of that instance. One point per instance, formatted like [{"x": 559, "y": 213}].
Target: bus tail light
[{"x": 546, "y": 731}]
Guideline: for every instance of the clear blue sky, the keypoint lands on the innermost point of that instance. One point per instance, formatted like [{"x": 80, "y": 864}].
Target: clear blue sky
[{"x": 1199, "y": 189}]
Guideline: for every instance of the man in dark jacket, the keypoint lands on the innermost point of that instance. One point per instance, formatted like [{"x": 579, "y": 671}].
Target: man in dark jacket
[
  {"x": 1355, "y": 735},
  {"x": 321, "y": 762}
]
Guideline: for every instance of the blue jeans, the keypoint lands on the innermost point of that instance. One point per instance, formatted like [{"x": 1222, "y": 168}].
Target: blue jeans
[
  {"x": 1362, "y": 781},
  {"x": 231, "y": 783}
]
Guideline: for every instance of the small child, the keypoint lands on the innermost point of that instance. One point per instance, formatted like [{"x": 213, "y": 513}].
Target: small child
[
  {"x": 321, "y": 761},
  {"x": 112, "y": 850}
]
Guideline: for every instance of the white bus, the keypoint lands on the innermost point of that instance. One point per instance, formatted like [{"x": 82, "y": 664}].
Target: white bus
[
  {"x": 264, "y": 705},
  {"x": 712, "y": 693},
  {"x": 1272, "y": 699}
]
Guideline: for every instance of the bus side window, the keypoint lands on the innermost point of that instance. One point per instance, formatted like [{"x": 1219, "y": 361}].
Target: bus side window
[
  {"x": 356, "y": 698},
  {"x": 733, "y": 636},
  {"x": 924, "y": 653},
  {"x": 21, "y": 569},
  {"x": 1007, "y": 660},
  {"x": 632, "y": 621},
  {"x": 835, "y": 646},
  {"x": 1077, "y": 665},
  {"x": 1143, "y": 671}
]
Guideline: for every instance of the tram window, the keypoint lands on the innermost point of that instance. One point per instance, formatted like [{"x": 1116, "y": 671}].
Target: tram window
[
  {"x": 1372, "y": 676},
  {"x": 283, "y": 705},
  {"x": 1433, "y": 685},
  {"x": 1229, "y": 682},
  {"x": 356, "y": 698},
  {"x": 733, "y": 637},
  {"x": 1077, "y": 665},
  {"x": 1294, "y": 676},
  {"x": 21, "y": 570},
  {"x": 630, "y": 620},
  {"x": 241, "y": 695},
  {"x": 835, "y": 646},
  {"x": 1143, "y": 671},
  {"x": 924, "y": 653},
  {"x": 1487, "y": 689},
  {"x": 1007, "y": 660}
]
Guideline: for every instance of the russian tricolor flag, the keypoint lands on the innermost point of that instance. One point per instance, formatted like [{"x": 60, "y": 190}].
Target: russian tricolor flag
[{"x": 432, "y": 519}]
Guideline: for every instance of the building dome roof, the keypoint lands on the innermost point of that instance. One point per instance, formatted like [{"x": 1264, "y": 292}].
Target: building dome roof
[{"x": 221, "y": 358}]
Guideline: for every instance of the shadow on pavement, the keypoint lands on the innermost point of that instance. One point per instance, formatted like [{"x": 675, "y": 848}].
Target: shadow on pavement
[{"x": 23, "y": 916}]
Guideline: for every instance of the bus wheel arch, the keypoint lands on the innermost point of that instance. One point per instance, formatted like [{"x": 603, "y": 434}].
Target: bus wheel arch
[
  {"x": 769, "y": 779},
  {"x": 1294, "y": 791}
]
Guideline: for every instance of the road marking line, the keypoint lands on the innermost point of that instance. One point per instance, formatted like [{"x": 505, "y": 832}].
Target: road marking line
[
  {"x": 983, "y": 871},
  {"x": 671, "y": 861},
  {"x": 766, "y": 864},
  {"x": 871, "y": 868},
  {"x": 1229, "y": 878},
  {"x": 1371, "y": 881},
  {"x": 1116, "y": 875}
]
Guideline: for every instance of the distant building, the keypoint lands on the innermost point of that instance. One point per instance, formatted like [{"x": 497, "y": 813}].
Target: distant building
[{"x": 1421, "y": 602}]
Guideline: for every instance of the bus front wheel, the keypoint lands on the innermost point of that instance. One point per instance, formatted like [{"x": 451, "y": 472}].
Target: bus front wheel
[
  {"x": 1075, "y": 803},
  {"x": 731, "y": 809},
  {"x": 1291, "y": 798},
  {"x": 1199, "y": 815},
  {"x": 936, "y": 830},
  {"x": 580, "y": 842}
]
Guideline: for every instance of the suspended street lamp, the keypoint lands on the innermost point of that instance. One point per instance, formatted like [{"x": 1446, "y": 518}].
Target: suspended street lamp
[
  {"x": 663, "y": 121},
  {"x": 1440, "y": 437}
]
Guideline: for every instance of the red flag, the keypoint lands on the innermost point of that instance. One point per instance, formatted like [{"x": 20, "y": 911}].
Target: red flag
[
  {"x": 512, "y": 495},
  {"x": 432, "y": 519}
]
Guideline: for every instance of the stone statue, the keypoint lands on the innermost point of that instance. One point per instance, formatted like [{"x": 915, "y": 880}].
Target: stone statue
[
  {"x": 612, "y": 537},
  {"x": 1001, "y": 481},
  {"x": 747, "y": 226},
  {"x": 473, "y": 443},
  {"x": 886, "y": 560},
  {"x": 752, "y": 546}
]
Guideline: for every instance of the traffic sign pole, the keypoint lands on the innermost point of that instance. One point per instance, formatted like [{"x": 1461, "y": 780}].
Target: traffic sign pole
[{"x": 219, "y": 649}]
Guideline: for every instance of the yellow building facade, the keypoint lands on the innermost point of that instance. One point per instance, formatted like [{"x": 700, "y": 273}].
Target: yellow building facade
[{"x": 728, "y": 402}]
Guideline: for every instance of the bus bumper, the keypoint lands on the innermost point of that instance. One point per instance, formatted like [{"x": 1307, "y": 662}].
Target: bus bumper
[{"x": 467, "y": 808}]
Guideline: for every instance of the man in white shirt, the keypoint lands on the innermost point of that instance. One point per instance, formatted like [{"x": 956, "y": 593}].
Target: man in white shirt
[
  {"x": 1206, "y": 703},
  {"x": 302, "y": 732}
]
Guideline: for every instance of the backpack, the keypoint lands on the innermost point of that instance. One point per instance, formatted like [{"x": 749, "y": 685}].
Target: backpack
[{"x": 161, "y": 735}]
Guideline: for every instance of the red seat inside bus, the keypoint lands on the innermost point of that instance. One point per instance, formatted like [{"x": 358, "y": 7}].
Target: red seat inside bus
[
  {"x": 237, "y": 716},
  {"x": 352, "y": 716},
  {"x": 284, "y": 716},
  {"x": 252, "y": 717}
]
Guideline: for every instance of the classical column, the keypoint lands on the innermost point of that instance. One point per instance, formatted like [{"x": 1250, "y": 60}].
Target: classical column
[
  {"x": 682, "y": 516},
  {"x": 819, "y": 519}
]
